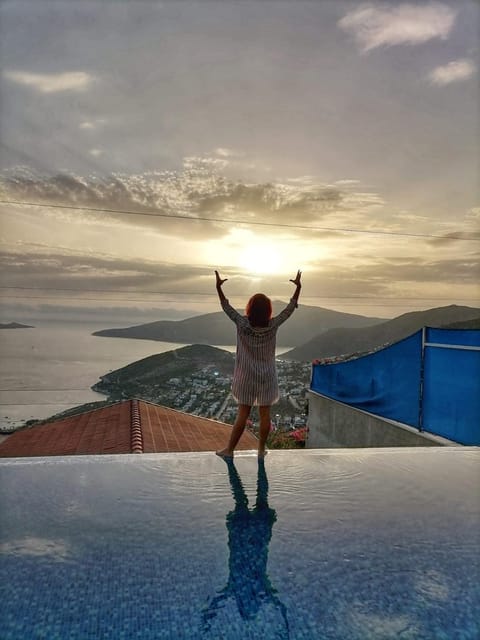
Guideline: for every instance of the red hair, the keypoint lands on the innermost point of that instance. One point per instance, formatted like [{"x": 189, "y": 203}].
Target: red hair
[{"x": 259, "y": 310}]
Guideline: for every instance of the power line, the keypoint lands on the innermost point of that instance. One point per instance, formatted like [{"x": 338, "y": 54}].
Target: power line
[
  {"x": 203, "y": 294},
  {"x": 179, "y": 216},
  {"x": 49, "y": 390},
  {"x": 94, "y": 299},
  {"x": 192, "y": 302},
  {"x": 78, "y": 290}
]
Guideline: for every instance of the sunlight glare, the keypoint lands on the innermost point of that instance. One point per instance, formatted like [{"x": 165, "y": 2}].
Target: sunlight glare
[{"x": 261, "y": 259}]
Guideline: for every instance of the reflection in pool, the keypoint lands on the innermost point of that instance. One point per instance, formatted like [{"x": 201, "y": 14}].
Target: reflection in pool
[
  {"x": 249, "y": 534},
  {"x": 338, "y": 545}
]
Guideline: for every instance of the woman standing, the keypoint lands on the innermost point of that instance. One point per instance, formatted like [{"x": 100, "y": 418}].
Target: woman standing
[{"x": 255, "y": 375}]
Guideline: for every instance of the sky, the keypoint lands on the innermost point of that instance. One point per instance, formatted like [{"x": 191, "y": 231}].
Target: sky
[{"x": 158, "y": 141}]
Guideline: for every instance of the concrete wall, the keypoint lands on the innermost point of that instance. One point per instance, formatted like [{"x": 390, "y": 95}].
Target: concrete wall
[{"x": 333, "y": 424}]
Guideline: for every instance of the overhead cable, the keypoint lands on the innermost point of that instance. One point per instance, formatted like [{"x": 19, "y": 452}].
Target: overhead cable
[{"x": 236, "y": 221}]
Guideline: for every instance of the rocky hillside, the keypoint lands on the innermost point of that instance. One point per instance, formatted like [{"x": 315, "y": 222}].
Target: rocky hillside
[
  {"x": 465, "y": 324},
  {"x": 152, "y": 372}
]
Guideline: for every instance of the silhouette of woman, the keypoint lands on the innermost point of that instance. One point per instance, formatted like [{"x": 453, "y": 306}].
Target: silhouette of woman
[
  {"x": 255, "y": 376},
  {"x": 249, "y": 534}
]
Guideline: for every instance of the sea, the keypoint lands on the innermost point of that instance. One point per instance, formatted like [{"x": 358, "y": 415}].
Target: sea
[{"x": 48, "y": 369}]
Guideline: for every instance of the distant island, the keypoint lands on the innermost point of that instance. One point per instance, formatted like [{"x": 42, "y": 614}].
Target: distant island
[
  {"x": 216, "y": 329},
  {"x": 15, "y": 325},
  {"x": 312, "y": 332}
]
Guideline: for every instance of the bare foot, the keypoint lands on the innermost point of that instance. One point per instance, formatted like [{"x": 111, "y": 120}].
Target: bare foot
[{"x": 224, "y": 453}]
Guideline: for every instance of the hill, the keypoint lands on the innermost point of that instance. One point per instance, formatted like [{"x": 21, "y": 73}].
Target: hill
[
  {"x": 464, "y": 324},
  {"x": 346, "y": 341},
  {"x": 143, "y": 377},
  {"x": 216, "y": 328},
  {"x": 15, "y": 325}
]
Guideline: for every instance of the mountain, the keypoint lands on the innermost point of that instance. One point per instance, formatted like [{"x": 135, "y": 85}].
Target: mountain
[
  {"x": 15, "y": 325},
  {"x": 215, "y": 328},
  {"x": 464, "y": 324},
  {"x": 153, "y": 371},
  {"x": 344, "y": 341}
]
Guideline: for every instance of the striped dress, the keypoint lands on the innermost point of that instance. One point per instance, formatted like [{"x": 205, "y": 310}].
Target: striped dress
[{"x": 255, "y": 374}]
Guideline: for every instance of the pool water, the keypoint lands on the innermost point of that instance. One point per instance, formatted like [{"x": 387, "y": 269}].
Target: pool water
[{"x": 338, "y": 544}]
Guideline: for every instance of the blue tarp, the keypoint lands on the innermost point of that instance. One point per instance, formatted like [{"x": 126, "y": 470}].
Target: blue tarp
[
  {"x": 388, "y": 383},
  {"x": 463, "y": 337},
  {"x": 451, "y": 394}
]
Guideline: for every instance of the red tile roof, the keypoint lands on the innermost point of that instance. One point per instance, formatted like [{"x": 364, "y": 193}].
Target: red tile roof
[{"x": 132, "y": 426}]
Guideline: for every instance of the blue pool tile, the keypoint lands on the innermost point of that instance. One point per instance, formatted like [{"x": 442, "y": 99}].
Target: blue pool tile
[{"x": 328, "y": 545}]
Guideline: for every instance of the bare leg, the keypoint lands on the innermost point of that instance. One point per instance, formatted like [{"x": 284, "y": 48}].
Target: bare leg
[
  {"x": 264, "y": 413},
  {"x": 238, "y": 427}
]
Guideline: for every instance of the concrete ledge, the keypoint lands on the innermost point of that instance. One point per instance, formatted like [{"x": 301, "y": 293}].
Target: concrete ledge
[{"x": 333, "y": 424}]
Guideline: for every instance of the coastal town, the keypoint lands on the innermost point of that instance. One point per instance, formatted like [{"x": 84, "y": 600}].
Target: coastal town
[
  {"x": 197, "y": 380},
  {"x": 207, "y": 393}
]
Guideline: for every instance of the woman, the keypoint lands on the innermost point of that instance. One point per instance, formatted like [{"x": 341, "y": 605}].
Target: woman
[{"x": 255, "y": 376}]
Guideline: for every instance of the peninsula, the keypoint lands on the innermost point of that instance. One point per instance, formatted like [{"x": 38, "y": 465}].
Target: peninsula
[
  {"x": 15, "y": 325},
  {"x": 197, "y": 379}
]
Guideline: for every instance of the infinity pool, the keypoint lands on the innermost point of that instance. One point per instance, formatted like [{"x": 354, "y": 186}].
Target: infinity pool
[{"x": 350, "y": 544}]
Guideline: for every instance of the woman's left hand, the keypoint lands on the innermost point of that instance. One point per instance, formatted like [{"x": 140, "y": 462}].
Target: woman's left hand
[{"x": 220, "y": 281}]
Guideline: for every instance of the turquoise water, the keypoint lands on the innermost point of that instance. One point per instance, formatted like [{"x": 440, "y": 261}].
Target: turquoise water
[{"x": 312, "y": 544}]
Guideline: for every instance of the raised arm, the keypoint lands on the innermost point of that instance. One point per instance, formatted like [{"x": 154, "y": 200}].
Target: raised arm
[
  {"x": 229, "y": 310},
  {"x": 219, "y": 284},
  {"x": 298, "y": 287},
  {"x": 292, "y": 305}
]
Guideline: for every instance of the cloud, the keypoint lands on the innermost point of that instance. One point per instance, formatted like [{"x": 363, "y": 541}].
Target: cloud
[
  {"x": 65, "y": 281},
  {"x": 38, "y": 267},
  {"x": 51, "y": 82},
  {"x": 451, "y": 231},
  {"x": 95, "y": 312},
  {"x": 383, "y": 25},
  {"x": 454, "y": 236},
  {"x": 223, "y": 152},
  {"x": 454, "y": 71},
  {"x": 96, "y": 152},
  {"x": 56, "y": 284},
  {"x": 270, "y": 203},
  {"x": 346, "y": 183},
  {"x": 378, "y": 273},
  {"x": 199, "y": 192},
  {"x": 92, "y": 124}
]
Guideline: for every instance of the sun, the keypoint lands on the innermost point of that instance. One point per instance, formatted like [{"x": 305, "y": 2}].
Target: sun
[
  {"x": 260, "y": 255},
  {"x": 260, "y": 259}
]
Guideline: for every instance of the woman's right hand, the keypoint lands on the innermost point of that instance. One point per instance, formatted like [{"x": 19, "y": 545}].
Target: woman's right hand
[{"x": 297, "y": 279}]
